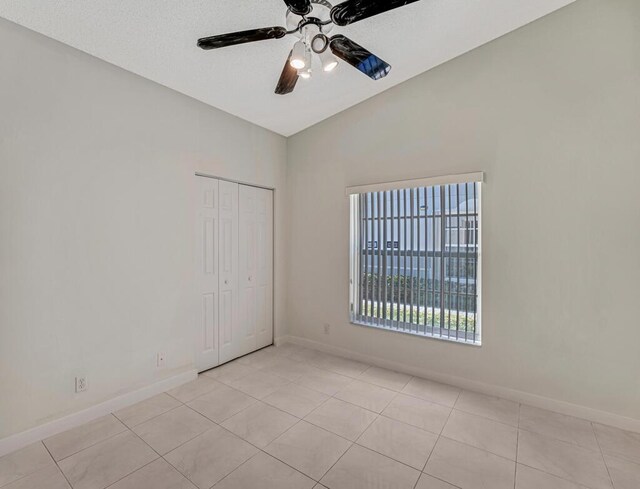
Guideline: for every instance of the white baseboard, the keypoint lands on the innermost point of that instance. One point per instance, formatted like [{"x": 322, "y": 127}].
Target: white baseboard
[
  {"x": 542, "y": 402},
  {"x": 20, "y": 440}
]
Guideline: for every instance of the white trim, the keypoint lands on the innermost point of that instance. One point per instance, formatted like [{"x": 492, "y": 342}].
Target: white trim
[
  {"x": 419, "y": 182},
  {"x": 20, "y": 440},
  {"x": 594, "y": 415}
]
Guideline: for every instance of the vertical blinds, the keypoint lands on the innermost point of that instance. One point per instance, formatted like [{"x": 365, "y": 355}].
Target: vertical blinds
[{"x": 415, "y": 260}]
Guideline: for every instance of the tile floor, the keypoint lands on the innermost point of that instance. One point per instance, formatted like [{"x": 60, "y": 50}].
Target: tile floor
[{"x": 290, "y": 417}]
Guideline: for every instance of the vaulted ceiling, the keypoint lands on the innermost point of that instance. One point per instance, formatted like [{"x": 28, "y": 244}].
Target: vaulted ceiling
[{"x": 156, "y": 39}]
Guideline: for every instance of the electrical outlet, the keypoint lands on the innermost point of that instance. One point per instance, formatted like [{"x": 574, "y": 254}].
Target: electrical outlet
[
  {"x": 327, "y": 328},
  {"x": 81, "y": 384},
  {"x": 161, "y": 360}
]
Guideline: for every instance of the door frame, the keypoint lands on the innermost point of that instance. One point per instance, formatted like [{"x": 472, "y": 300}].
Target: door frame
[{"x": 273, "y": 241}]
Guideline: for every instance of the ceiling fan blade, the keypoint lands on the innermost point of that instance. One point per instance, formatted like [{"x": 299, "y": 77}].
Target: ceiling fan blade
[
  {"x": 358, "y": 57},
  {"x": 299, "y": 7},
  {"x": 288, "y": 78},
  {"x": 354, "y": 10},
  {"x": 224, "y": 40}
]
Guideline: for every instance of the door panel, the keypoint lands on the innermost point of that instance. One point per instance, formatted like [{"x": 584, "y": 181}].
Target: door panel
[
  {"x": 230, "y": 345},
  {"x": 207, "y": 272},
  {"x": 264, "y": 272},
  {"x": 256, "y": 265},
  {"x": 247, "y": 267}
]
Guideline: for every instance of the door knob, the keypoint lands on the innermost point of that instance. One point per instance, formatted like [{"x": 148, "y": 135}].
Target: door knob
[
  {"x": 249, "y": 278},
  {"x": 226, "y": 282}
]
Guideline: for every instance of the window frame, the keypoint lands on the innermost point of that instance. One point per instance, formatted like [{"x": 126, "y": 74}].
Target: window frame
[{"x": 355, "y": 223}]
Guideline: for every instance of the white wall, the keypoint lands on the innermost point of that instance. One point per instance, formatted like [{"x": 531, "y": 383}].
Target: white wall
[
  {"x": 551, "y": 113},
  {"x": 97, "y": 224}
]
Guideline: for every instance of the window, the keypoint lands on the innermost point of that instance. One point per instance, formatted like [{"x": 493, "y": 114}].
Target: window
[{"x": 424, "y": 277}]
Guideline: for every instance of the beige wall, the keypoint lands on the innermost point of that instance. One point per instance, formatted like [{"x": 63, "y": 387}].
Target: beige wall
[
  {"x": 97, "y": 224},
  {"x": 551, "y": 113}
]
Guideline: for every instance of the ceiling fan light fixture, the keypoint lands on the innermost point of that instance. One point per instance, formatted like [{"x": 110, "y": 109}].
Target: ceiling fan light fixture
[
  {"x": 299, "y": 56},
  {"x": 329, "y": 61}
]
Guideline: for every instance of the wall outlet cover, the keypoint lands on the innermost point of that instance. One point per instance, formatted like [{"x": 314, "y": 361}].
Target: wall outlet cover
[{"x": 81, "y": 384}]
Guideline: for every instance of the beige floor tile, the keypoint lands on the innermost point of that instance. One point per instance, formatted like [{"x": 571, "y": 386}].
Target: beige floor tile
[
  {"x": 287, "y": 349},
  {"x": 210, "y": 457},
  {"x": 324, "y": 381},
  {"x": 229, "y": 372},
  {"x": 305, "y": 355},
  {"x": 567, "y": 461},
  {"x": 432, "y": 391},
  {"x": 309, "y": 449},
  {"x": 170, "y": 430},
  {"x": 259, "y": 359},
  {"x": 265, "y": 472},
  {"x": 483, "y": 433},
  {"x": 428, "y": 482},
  {"x": 48, "y": 478},
  {"x": 317, "y": 358},
  {"x": 296, "y": 400},
  {"x": 259, "y": 384},
  {"x": 625, "y": 474},
  {"x": 340, "y": 365},
  {"x": 72, "y": 441},
  {"x": 388, "y": 379},
  {"x": 196, "y": 388},
  {"x": 222, "y": 403},
  {"x": 489, "y": 407},
  {"x": 528, "y": 478},
  {"x": 147, "y": 409},
  {"x": 559, "y": 426},
  {"x": 23, "y": 462},
  {"x": 103, "y": 464},
  {"x": 618, "y": 443},
  {"x": 341, "y": 418},
  {"x": 368, "y": 396},
  {"x": 361, "y": 468},
  {"x": 288, "y": 369},
  {"x": 260, "y": 424},
  {"x": 157, "y": 475},
  {"x": 469, "y": 467},
  {"x": 417, "y": 412},
  {"x": 399, "y": 441}
]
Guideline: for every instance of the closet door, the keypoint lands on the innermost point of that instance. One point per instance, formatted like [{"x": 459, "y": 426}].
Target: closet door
[
  {"x": 256, "y": 267},
  {"x": 247, "y": 267},
  {"x": 264, "y": 267},
  {"x": 230, "y": 342},
  {"x": 207, "y": 272}
]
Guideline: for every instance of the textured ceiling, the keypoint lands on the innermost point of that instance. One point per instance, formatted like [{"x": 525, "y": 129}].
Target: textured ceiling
[{"x": 157, "y": 40}]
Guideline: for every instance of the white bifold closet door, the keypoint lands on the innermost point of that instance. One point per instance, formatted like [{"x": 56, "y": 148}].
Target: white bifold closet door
[
  {"x": 229, "y": 323},
  {"x": 235, "y": 270},
  {"x": 207, "y": 272},
  {"x": 256, "y": 268}
]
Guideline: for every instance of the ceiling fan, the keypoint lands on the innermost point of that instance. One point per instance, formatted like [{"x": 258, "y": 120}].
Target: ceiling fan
[{"x": 311, "y": 21}]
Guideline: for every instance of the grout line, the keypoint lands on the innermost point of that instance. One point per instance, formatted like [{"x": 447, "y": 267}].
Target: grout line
[
  {"x": 604, "y": 460},
  {"x": 424, "y": 467},
  {"x": 131, "y": 473},
  {"x": 237, "y": 468},
  {"x": 56, "y": 464},
  {"x": 515, "y": 472},
  {"x": 92, "y": 444},
  {"x": 152, "y": 417}
]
